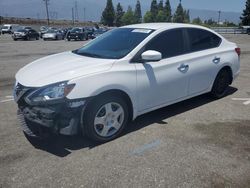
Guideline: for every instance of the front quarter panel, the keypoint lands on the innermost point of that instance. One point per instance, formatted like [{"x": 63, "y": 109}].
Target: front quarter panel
[{"x": 122, "y": 76}]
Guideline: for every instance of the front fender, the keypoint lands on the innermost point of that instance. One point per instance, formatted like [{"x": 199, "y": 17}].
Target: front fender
[{"x": 93, "y": 85}]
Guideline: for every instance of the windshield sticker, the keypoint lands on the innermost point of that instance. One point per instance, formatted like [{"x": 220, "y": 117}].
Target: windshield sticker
[{"x": 141, "y": 30}]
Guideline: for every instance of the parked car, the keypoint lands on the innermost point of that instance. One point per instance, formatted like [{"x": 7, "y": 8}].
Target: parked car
[
  {"x": 9, "y": 28},
  {"x": 53, "y": 35},
  {"x": 77, "y": 33},
  {"x": 25, "y": 34},
  {"x": 126, "y": 72},
  {"x": 26, "y": 27},
  {"x": 43, "y": 30},
  {"x": 90, "y": 31}
]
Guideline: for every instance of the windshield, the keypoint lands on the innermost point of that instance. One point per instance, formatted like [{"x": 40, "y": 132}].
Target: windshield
[
  {"x": 21, "y": 30},
  {"x": 51, "y": 31},
  {"x": 77, "y": 30},
  {"x": 114, "y": 44}
]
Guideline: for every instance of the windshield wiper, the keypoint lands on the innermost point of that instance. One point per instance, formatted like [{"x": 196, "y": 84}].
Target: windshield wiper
[{"x": 89, "y": 54}]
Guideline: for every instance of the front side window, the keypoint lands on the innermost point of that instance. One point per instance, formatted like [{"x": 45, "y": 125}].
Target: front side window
[
  {"x": 114, "y": 44},
  {"x": 169, "y": 43},
  {"x": 201, "y": 39}
]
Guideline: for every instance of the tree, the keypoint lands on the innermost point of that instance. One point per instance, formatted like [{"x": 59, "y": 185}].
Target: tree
[
  {"x": 118, "y": 15},
  {"x": 128, "y": 18},
  {"x": 210, "y": 22},
  {"x": 154, "y": 10},
  {"x": 108, "y": 15},
  {"x": 197, "y": 21},
  {"x": 245, "y": 18},
  {"x": 179, "y": 14},
  {"x": 161, "y": 16},
  {"x": 160, "y": 5},
  {"x": 186, "y": 16},
  {"x": 148, "y": 17},
  {"x": 137, "y": 14},
  {"x": 168, "y": 11}
]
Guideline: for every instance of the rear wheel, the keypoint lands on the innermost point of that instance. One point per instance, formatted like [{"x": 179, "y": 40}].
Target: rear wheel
[
  {"x": 221, "y": 84},
  {"x": 105, "y": 118}
]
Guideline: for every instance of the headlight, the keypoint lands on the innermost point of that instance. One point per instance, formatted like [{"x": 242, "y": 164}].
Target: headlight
[{"x": 51, "y": 93}]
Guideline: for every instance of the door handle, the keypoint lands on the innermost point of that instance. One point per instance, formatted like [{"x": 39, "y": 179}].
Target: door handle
[
  {"x": 183, "y": 68},
  {"x": 216, "y": 60}
]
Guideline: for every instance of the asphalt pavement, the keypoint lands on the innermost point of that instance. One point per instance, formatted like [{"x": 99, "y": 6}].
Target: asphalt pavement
[{"x": 200, "y": 142}]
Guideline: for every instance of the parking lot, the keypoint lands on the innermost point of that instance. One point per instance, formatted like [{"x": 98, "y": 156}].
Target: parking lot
[{"x": 196, "y": 143}]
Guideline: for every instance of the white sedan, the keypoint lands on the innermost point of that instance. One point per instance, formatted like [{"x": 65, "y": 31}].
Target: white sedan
[{"x": 122, "y": 74}]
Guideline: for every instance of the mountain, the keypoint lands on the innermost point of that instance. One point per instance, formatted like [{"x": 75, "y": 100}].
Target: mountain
[
  {"x": 61, "y": 9},
  {"x": 207, "y": 14}
]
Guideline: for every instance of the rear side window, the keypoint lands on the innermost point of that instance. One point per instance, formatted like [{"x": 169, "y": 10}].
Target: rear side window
[
  {"x": 201, "y": 40},
  {"x": 169, "y": 43}
]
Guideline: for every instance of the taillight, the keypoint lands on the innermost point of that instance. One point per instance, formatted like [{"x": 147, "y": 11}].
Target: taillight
[{"x": 238, "y": 51}]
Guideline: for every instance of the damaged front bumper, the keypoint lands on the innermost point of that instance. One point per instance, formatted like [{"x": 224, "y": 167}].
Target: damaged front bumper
[
  {"x": 61, "y": 117},
  {"x": 58, "y": 118}
]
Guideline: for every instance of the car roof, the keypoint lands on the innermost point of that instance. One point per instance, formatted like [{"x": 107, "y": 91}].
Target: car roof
[{"x": 158, "y": 26}]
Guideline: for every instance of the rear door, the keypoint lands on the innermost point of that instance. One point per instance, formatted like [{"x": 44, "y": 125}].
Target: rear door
[
  {"x": 166, "y": 80},
  {"x": 204, "y": 59}
]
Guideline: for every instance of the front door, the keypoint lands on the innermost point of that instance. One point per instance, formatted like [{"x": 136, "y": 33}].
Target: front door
[{"x": 164, "y": 81}]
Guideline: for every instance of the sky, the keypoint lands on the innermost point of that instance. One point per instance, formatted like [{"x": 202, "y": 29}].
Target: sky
[{"x": 35, "y": 8}]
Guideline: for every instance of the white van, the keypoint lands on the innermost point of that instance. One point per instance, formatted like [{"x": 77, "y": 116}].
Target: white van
[{"x": 8, "y": 28}]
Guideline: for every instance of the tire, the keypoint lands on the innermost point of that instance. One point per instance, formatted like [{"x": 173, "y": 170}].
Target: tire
[
  {"x": 221, "y": 84},
  {"x": 110, "y": 110},
  {"x": 37, "y": 38},
  {"x": 68, "y": 39},
  {"x": 15, "y": 39},
  {"x": 27, "y": 38}
]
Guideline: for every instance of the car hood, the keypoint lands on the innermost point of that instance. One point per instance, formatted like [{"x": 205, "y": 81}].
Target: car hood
[
  {"x": 49, "y": 34},
  {"x": 60, "y": 67},
  {"x": 17, "y": 32}
]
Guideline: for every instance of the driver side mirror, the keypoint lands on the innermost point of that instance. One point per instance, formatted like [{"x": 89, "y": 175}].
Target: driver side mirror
[{"x": 151, "y": 55}]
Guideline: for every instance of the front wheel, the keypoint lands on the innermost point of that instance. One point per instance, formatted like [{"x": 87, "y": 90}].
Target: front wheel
[
  {"x": 105, "y": 118},
  {"x": 221, "y": 84}
]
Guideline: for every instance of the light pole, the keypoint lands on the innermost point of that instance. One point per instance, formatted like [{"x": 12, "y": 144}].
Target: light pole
[
  {"x": 47, "y": 10},
  {"x": 219, "y": 17}
]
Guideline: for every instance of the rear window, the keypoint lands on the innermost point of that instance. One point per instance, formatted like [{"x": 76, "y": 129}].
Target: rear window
[{"x": 201, "y": 39}]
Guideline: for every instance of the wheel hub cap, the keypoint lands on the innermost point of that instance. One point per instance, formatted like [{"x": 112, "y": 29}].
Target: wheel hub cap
[{"x": 109, "y": 119}]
